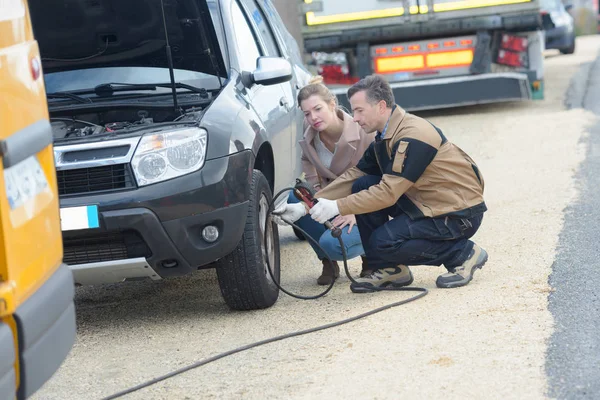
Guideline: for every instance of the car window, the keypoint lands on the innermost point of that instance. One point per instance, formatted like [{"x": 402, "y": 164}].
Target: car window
[
  {"x": 276, "y": 21},
  {"x": 262, "y": 26},
  {"x": 287, "y": 43},
  {"x": 550, "y": 5},
  {"x": 245, "y": 40}
]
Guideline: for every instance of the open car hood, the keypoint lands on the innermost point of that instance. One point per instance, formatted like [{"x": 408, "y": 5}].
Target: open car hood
[{"x": 78, "y": 34}]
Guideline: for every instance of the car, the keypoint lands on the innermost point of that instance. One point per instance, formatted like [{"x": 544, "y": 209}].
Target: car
[
  {"x": 174, "y": 123},
  {"x": 559, "y": 26}
]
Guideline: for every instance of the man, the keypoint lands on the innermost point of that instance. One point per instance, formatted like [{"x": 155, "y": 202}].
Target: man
[{"x": 432, "y": 190}]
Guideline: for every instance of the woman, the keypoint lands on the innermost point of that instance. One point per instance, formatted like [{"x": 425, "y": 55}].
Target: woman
[{"x": 332, "y": 143}]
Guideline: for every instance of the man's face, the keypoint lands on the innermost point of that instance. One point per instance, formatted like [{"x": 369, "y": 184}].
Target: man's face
[{"x": 366, "y": 114}]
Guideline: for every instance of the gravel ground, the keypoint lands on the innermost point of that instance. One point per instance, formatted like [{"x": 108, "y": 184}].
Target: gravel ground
[{"x": 486, "y": 340}]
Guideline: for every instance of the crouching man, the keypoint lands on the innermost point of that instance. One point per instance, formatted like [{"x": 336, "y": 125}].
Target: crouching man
[{"x": 430, "y": 188}]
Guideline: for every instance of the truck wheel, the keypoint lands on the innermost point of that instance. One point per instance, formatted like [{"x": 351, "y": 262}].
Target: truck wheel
[{"x": 243, "y": 277}]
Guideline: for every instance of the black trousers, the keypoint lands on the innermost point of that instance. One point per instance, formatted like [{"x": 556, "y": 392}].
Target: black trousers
[{"x": 401, "y": 240}]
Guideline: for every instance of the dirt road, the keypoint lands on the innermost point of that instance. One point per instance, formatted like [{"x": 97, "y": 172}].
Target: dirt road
[{"x": 486, "y": 340}]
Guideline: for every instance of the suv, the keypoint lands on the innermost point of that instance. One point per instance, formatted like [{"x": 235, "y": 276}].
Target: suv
[
  {"x": 559, "y": 26},
  {"x": 174, "y": 122}
]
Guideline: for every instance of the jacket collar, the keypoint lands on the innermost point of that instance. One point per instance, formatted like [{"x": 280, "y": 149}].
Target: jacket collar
[
  {"x": 394, "y": 122},
  {"x": 345, "y": 150}
]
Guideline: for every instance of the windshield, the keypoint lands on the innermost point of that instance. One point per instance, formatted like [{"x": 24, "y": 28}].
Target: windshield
[
  {"x": 87, "y": 43},
  {"x": 550, "y": 5}
]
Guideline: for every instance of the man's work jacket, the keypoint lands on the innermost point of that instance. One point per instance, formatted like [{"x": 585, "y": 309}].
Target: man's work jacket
[{"x": 420, "y": 170}]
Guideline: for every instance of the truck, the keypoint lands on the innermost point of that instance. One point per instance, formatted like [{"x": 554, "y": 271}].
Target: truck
[
  {"x": 435, "y": 53},
  {"x": 37, "y": 310}
]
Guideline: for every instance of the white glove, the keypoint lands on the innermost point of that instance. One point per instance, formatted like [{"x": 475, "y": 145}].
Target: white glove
[
  {"x": 289, "y": 213},
  {"x": 324, "y": 210}
]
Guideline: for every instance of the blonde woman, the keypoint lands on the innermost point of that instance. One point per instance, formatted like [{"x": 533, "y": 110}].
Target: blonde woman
[{"x": 332, "y": 143}]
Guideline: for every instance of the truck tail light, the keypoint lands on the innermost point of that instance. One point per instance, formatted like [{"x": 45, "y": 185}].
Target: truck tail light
[
  {"x": 514, "y": 43},
  {"x": 511, "y": 58}
]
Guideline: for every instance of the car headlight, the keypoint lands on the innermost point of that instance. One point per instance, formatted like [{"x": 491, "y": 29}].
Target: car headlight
[{"x": 167, "y": 155}]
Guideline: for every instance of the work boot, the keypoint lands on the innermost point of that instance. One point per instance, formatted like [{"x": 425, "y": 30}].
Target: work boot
[
  {"x": 331, "y": 271},
  {"x": 463, "y": 274},
  {"x": 392, "y": 276},
  {"x": 365, "y": 267}
]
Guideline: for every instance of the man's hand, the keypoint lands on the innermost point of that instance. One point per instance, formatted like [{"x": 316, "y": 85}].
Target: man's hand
[
  {"x": 342, "y": 220},
  {"x": 289, "y": 213},
  {"x": 324, "y": 210}
]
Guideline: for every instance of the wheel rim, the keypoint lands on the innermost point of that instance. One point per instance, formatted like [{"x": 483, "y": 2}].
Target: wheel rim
[{"x": 269, "y": 249}]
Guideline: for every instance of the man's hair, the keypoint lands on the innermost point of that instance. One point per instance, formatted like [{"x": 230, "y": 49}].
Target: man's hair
[{"x": 376, "y": 89}]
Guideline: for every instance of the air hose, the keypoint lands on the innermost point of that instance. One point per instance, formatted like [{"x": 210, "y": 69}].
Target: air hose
[{"x": 422, "y": 292}]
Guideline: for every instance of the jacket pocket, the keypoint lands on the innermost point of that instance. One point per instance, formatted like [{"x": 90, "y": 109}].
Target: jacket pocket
[{"x": 400, "y": 157}]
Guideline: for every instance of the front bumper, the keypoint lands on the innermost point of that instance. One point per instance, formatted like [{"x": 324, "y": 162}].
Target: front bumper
[{"x": 156, "y": 231}]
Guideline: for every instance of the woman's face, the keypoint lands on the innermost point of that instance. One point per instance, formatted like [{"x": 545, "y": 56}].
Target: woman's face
[{"x": 318, "y": 113}]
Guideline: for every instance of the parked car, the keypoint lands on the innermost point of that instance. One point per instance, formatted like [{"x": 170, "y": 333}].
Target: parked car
[
  {"x": 157, "y": 179},
  {"x": 559, "y": 26}
]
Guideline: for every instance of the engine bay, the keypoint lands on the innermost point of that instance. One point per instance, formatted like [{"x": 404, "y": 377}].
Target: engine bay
[{"x": 66, "y": 128}]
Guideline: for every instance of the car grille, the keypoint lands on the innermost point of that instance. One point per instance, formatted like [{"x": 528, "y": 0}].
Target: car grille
[
  {"x": 95, "y": 179},
  {"x": 104, "y": 247}
]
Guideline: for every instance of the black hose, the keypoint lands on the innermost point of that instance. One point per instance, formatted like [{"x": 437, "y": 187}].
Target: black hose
[
  {"x": 423, "y": 292},
  {"x": 344, "y": 258}
]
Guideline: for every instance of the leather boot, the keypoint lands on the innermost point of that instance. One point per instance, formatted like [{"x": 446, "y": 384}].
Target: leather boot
[
  {"x": 330, "y": 272},
  {"x": 365, "y": 267}
]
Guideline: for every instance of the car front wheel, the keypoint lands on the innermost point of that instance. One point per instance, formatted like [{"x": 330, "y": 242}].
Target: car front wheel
[{"x": 243, "y": 277}]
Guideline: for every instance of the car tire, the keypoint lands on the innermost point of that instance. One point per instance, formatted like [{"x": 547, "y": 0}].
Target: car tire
[
  {"x": 243, "y": 277},
  {"x": 298, "y": 234},
  {"x": 570, "y": 49}
]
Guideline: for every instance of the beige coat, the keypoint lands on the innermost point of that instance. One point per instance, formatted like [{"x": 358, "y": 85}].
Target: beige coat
[
  {"x": 450, "y": 184},
  {"x": 350, "y": 148}
]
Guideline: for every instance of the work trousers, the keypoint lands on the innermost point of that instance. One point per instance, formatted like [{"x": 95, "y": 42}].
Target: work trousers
[{"x": 401, "y": 240}]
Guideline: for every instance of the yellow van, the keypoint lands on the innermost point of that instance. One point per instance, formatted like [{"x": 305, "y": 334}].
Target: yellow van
[{"x": 37, "y": 313}]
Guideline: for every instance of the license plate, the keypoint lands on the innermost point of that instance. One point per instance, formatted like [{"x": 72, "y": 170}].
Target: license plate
[
  {"x": 24, "y": 181},
  {"x": 76, "y": 218}
]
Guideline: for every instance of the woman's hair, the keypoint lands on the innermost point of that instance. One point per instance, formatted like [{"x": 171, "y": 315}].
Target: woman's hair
[{"x": 316, "y": 87}]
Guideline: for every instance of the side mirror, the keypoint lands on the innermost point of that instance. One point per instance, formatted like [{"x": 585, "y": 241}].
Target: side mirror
[
  {"x": 269, "y": 71},
  {"x": 568, "y": 6}
]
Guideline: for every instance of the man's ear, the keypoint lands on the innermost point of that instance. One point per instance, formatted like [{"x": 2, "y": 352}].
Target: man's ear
[{"x": 382, "y": 106}]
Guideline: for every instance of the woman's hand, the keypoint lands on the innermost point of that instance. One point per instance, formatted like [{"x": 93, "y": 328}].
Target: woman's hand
[{"x": 342, "y": 220}]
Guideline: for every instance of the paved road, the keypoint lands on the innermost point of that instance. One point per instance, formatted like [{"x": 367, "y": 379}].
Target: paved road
[
  {"x": 486, "y": 340},
  {"x": 573, "y": 363}
]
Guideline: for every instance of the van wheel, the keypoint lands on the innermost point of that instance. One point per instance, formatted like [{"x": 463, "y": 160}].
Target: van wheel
[{"x": 243, "y": 277}]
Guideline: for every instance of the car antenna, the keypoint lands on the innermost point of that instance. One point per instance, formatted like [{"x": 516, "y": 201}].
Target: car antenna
[{"x": 169, "y": 58}]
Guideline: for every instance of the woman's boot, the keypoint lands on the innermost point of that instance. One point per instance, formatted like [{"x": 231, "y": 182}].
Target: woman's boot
[{"x": 330, "y": 272}]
